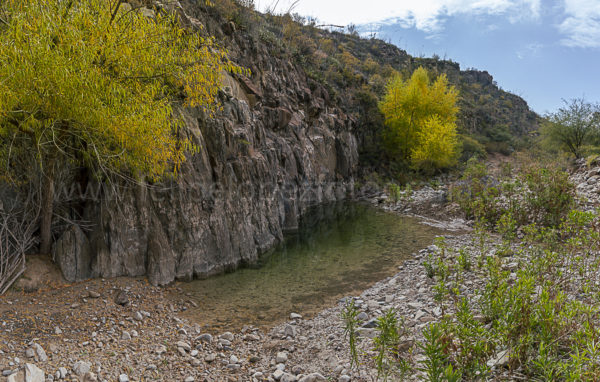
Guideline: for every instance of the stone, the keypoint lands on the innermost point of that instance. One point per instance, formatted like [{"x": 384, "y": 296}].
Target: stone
[
  {"x": 281, "y": 357},
  {"x": 277, "y": 374},
  {"x": 121, "y": 298},
  {"x": 73, "y": 254},
  {"x": 34, "y": 373},
  {"x": 90, "y": 377},
  {"x": 210, "y": 357},
  {"x": 344, "y": 378},
  {"x": 125, "y": 336},
  {"x": 295, "y": 316},
  {"x": 160, "y": 349},
  {"x": 189, "y": 379},
  {"x": 40, "y": 353},
  {"x": 62, "y": 372},
  {"x": 204, "y": 338},
  {"x": 286, "y": 377},
  {"x": 233, "y": 359},
  {"x": 251, "y": 337},
  {"x": 184, "y": 345},
  {"x": 362, "y": 316},
  {"x": 500, "y": 360},
  {"x": 81, "y": 367},
  {"x": 138, "y": 316},
  {"x": 227, "y": 336},
  {"x": 123, "y": 378},
  {"x": 30, "y": 353},
  {"x": 93, "y": 294},
  {"x": 313, "y": 377},
  {"x": 289, "y": 331},
  {"x": 57, "y": 330}
]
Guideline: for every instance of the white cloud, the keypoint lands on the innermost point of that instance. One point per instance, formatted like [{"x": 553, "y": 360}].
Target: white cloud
[
  {"x": 427, "y": 15},
  {"x": 582, "y": 24}
]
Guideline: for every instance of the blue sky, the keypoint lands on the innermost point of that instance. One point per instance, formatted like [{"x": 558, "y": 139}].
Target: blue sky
[{"x": 541, "y": 50}]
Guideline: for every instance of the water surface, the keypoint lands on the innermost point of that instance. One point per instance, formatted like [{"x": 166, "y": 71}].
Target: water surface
[{"x": 340, "y": 249}]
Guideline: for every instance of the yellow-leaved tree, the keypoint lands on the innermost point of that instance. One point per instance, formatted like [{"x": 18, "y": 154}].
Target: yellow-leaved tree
[
  {"x": 420, "y": 121},
  {"x": 94, "y": 83}
]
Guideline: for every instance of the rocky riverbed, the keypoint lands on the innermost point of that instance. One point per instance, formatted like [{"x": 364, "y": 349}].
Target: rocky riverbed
[{"x": 124, "y": 329}]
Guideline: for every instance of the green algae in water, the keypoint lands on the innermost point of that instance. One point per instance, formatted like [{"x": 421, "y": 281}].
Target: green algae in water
[{"x": 340, "y": 249}]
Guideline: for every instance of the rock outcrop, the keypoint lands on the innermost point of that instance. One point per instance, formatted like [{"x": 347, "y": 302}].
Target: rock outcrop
[{"x": 277, "y": 147}]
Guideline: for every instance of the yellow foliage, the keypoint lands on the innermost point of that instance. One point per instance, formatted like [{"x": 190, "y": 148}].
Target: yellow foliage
[
  {"x": 85, "y": 82},
  {"x": 438, "y": 143},
  {"x": 418, "y": 112}
]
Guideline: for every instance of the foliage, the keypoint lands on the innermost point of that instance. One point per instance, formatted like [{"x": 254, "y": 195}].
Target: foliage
[
  {"x": 386, "y": 343},
  {"x": 89, "y": 83},
  {"x": 573, "y": 125},
  {"x": 420, "y": 119},
  {"x": 538, "y": 193},
  {"x": 349, "y": 318}
]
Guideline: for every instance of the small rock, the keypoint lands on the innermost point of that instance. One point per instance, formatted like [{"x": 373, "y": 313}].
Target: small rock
[
  {"x": 210, "y": 357},
  {"x": 295, "y": 316},
  {"x": 282, "y": 357},
  {"x": 125, "y": 336},
  {"x": 122, "y": 298},
  {"x": 278, "y": 374},
  {"x": 184, "y": 345},
  {"x": 344, "y": 378},
  {"x": 123, "y": 378},
  {"x": 313, "y": 377},
  {"x": 160, "y": 349},
  {"x": 362, "y": 316},
  {"x": 138, "y": 316},
  {"x": 289, "y": 331},
  {"x": 194, "y": 353},
  {"x": 204, "y": 338},
  {"x": 81, "y": 367},
  {"x": 190, "y": 379},
  {"x": 90, "y": 377},
  {"x": 57, "y": 331},
  {"x": 62, "y": 371},
  {"x": 93, "y": 294},
  {"x": 233, "y": 359},
  {"x": 227, "y": 336},
  {"x": 40, "y": 353}
]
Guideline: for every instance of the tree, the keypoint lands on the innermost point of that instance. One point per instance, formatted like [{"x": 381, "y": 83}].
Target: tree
[
  {"x": 420, "y": 120},
  {"x": 573, "y": 125},
  {"x": 94, "y": 83}
]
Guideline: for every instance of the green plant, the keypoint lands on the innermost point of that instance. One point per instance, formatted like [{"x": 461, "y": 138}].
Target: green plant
[
  {"x": 394, "y": 192},
  {"x": 349, "y": 318},
  {"x": 436, "y": 353},
  {"x": 386, "y": 343}
]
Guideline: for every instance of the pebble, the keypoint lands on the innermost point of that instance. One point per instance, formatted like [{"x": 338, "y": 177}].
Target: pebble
[
  {"x": 282, "y": 357},
  {"x": 205, "y": 338},
  {"x": 123, "y": 378},
  {"x": 228, "y": 336},
  {"x": 81, "y": 367},
  {"x": 295, "y": 316}
]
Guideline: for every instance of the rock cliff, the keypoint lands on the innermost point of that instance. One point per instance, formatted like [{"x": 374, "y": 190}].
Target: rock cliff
[{"x": 277, "y": 146}]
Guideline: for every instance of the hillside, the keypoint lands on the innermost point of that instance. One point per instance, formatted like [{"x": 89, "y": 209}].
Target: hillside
[{"x": 354, "y": 71}]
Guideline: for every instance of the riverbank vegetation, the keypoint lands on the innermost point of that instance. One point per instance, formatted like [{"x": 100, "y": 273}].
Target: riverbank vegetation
[{"x": 522, "y": 301}]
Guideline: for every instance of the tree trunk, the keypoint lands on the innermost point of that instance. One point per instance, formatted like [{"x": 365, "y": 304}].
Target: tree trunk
[{"x": 47, "y": 211}]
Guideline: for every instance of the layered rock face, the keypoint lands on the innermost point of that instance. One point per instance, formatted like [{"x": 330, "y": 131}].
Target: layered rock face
[{"x": 277, "y": 147}]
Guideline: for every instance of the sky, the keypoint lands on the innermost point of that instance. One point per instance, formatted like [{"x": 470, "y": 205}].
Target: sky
[{"x": 543, "y": 50}]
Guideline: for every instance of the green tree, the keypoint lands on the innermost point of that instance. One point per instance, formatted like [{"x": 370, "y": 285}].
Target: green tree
[
  {"x": 573, "y": 125},
  {"x": 420, "y": 120},
  {"x": 92, "y": 83}
]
